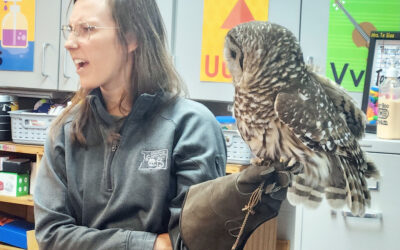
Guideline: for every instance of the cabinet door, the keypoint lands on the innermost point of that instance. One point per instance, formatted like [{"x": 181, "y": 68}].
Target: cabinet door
[
  {"x": 324, "y": 229},
  {"x": 68, "y": 78},
  {"x": 46, "y": 50},
  {"x": 168, "y": 10}
]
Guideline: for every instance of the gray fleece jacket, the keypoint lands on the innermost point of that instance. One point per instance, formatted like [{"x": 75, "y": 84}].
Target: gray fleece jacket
[{"x": 120, "y": 192}]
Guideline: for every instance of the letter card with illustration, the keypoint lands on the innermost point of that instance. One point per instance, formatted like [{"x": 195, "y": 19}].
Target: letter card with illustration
[{"x": 218, "y": 18}]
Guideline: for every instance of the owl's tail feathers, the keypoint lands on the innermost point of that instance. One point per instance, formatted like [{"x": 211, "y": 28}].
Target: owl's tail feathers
[
  {"x": 336, "y": 188},
  {"x": 346, "y": 185},
  {"x": 372, "y": 171},
  {"x": 336, "y": 196},
  {"x": 302, "y": 192},
  {"x": 358, "y": 194}
]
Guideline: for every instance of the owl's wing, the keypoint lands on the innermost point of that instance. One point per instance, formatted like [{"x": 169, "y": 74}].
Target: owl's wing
[
  {"x": 355, "y": 117},
  {"x": 311, "y": 116}
]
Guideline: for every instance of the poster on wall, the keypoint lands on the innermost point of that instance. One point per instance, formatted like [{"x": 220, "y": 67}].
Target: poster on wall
[
  {"x": 218, "y": 18},
  {"x": 17, "y": 19},
  {"x": 350, "y": 25}
]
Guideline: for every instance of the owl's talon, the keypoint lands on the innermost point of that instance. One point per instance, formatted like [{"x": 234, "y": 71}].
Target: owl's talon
[
  {"x": 257, "y": 161},
  {"x": 292, "y": 162},
  {"x": 296, "y": 168}
]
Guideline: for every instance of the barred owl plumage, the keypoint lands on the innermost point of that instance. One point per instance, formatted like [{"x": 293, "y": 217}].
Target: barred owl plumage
[{"x": 286, "y": 113}]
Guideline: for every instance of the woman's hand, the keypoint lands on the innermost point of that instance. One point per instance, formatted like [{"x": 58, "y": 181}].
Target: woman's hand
[{"x": 163, "y": 242}]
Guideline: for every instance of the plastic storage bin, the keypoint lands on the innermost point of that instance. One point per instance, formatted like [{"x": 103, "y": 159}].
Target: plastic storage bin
[
  {"x": 29, "y": 127},
  {"x": 238, "y": 151},
  {"x": 5, "y": 107},
  {"x": 227, "y": 122}
]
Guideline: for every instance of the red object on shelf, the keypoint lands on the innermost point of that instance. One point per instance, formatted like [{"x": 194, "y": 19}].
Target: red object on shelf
[{"x": 4, "y": 220}]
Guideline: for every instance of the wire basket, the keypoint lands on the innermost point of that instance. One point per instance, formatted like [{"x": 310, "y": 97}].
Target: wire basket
[{"x": 29, "y": 127}]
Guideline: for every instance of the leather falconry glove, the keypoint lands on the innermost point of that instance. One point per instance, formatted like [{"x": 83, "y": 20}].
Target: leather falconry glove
[{"x": 212, "y": 214}]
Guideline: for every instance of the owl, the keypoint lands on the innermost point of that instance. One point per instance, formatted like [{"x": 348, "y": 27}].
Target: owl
[{"x": 287, "y": 113}]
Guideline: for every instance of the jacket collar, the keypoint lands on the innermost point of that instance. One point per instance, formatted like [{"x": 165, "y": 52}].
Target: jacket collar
[{"x": 143, "y": 106}]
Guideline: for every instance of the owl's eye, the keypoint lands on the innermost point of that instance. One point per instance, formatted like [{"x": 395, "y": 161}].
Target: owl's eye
[
  {"x": 233, "y": 54},
  {"x": 241, "y": 61}
]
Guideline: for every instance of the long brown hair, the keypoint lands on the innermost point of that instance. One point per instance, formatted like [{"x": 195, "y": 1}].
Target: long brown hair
[{"x": 152, "y": 71}]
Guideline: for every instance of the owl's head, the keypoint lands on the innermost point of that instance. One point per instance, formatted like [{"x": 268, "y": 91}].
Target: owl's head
[{"x": 262, "y": 54}]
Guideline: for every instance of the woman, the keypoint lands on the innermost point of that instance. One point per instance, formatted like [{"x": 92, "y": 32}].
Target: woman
[{"x": 121, "y": 158}]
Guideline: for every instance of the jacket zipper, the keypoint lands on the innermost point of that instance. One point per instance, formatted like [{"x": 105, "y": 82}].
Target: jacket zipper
[{"x": 114, "y": 148}]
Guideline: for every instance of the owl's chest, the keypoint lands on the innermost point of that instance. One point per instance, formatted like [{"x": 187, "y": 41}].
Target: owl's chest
[
  {"x": 263, "y": 131},
  {"x": 254, "y": 110}
]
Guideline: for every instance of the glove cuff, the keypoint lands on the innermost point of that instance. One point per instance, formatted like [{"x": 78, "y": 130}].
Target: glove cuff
[{"x": 212, "y": 214}]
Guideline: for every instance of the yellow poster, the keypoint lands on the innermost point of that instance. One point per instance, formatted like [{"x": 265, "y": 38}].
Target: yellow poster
[{"x": 219, "y": 17}]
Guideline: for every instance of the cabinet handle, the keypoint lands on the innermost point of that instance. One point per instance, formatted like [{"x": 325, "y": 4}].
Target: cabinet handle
[
  {"x": 65, "y": 64},
  {"x": 45, "y": 45},
  {"x": 366, "y": 145},
  {"x": 377, "y": 215},
  {"x": 375, "y": 187}
]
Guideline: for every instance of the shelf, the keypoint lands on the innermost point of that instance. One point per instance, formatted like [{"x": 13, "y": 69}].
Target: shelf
[
  {"x": 21, "y": 148},
  {"x": 23, "y": 200},
  {"x": 32, "y": 244},
  {"x": 234, "y": 168},
  {"x": 26, "y": 149},
  {"x": 7, "y": 247}
]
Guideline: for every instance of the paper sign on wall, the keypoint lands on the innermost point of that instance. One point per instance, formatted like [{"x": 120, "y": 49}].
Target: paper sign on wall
[
  {"x": 219, "y": 17},
  {"x": 17, "y": 19}
]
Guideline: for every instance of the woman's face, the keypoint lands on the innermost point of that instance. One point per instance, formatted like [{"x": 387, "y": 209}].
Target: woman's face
[{"x": 97, "y": 53}]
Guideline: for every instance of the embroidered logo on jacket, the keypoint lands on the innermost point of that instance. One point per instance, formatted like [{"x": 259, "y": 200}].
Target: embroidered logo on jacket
[{"x": 156, "y": 159}]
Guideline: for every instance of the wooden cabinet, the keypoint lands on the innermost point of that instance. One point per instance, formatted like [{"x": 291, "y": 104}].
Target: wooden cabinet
[{"x": 20, "y": 206}]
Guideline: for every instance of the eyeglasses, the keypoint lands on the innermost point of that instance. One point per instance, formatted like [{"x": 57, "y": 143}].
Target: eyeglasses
[{"x": 82, "y": 30}]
